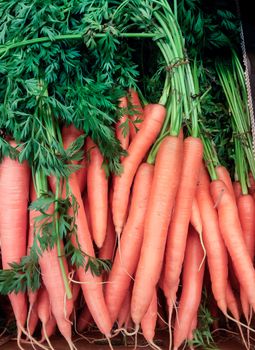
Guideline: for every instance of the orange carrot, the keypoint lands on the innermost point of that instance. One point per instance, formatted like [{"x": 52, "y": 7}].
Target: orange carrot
[
  {"x": 124, "y": 139},
  {"x": 125, "y": 310},
  {"x": 137, "y": 113},
  {"x": 161, "y": 201},
  {"x": 232, "y": 234},
  {"x": 217, "y": 257},
  {"x": 223, "y": 175},
  {"x": 192, "y": 285},
  {"x": 82, "y": 174},
  {"x": 246, "y": 210},
  {"x": 178, "y": 230},
  {"x": 150, "y": 128},
  {"x": 49, "y": 329},
  {"x": 127, "y": 255},
  {"x": 107, "y": 250},
  {"x": 91, "y": 285},
  {"x": 87, "y": 211},
  {"x": 97, "y": 189},
  {"x": 14, "y": 189},
  {"x": 148, "y": 323},
  {"x": 195, "y": 218}
]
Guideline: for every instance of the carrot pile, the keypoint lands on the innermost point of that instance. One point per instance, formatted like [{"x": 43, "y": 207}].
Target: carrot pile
[{"x": 136, "y": 250}]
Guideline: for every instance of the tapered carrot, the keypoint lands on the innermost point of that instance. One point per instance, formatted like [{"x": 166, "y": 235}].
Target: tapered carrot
[
  {"x": 14, "y": 189},
  {"x": 87, "y": 211},
  {"x": 195, "y": 218},
  {"x": 232, "y": 234},
  {"x": 127, "y": 255},
  {"x": 149, "y": 320},
  {"x": 82, "y": 174},
  {"x": 246, "y": 210},
  {"x": 124, "y": 310},
  {"x": 107, "y": 250},
  {"x": 178, "y": 229},
  {"x": 91, "y": 285},
  {"x": 97, "y": 189},
  {"x": 161, "y": 201},
  {"x": 150, "y": 128},
  {"x": 192, "y": 285},
  {"x": 121, "y": 136},
  {"x": 223, "y": 175},
  {"x": 217, "y": 257},
  {"x": 49, "y": 329},
  {"x": 137, "y": 113}
]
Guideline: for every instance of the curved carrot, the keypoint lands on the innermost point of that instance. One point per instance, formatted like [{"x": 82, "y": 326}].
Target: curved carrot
[
  {"x": 178, "y": 229},
  {"x": 217, "y": 257},
  {"x": 161, "y": 201},
  {"x": 137, "y": 113},
  {"x": 127, "y": 255},
  {"x": 14, "y": 189},
  {"x": 232, "y": 234},
  {"x": 192, "y": 285},
  {"x": 124, "y": 139},
  {"x": 97, "y": 189},
  {"x": 155, "y": 115}
]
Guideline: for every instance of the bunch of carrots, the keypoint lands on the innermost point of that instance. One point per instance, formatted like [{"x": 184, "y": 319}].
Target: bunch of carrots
[{"x": 172, "y": 224}]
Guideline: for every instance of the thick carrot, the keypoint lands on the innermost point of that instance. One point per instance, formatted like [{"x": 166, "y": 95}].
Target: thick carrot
[
  {"x": 192, "y": 283},
  {"x": 178, "y": 230},
  {"x": 127, "y": 255},
  {"x": 223, "y": 175},
  {"x": 137, "y": 113},
  {"x": 232, "y": 234},
  {"x": 150, "y": 128},
  {"x": 149, "y": 320},
  {"x": 14, "y": 189},
  {"x": 161, "y": 201},
  {"x": 217, "y": 257},
  {"x": 246, "y": 210},
  {"x": 124, "y": 139}
]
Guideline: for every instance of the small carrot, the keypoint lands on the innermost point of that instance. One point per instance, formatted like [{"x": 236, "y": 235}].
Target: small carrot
[
  {"x": 154, "y": 117},
  {"x": 97, "y": 189},
  {"x": 148, "y": 323}
]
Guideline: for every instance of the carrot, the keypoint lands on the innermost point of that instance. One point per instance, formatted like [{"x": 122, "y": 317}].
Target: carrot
[
  {"x": 127, "y": 255},
  {"x": 124, "y": 139},
  {"x": 82, "y": 174},
  {"x": 97, "y": 190},
  {"x": 91, "y": 285},
  {"x": 192, "y": 329},
  {"x": 150, "y": 128},
  {"x": 49, "y": 329},
  {"x": 195, "y": 218},
  {"x": 178, "y": 230},
  {"x": 87, "y": 211},
  {"x": 125, "y": 310},
  {"x": 137, "y": 111},
  {"x": 149, "y": 320},
  {"x": 232, "y": 234},
  {"x": 232, "y": 302},
  {"x": 246, "y": 210},
  {"x": 217, "y": 257},
  {"x": 223, "y": 175},
  {"x": 237, "y": 189},
  {"x": 192, "y": 283},
  {"x": 161, "y": 201},
  {"x": 33, "y": 319},
  {"x": 107, "y": 250},
  {"x": 44, "y": 307},
  {"x": 14, "y": 189}
]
